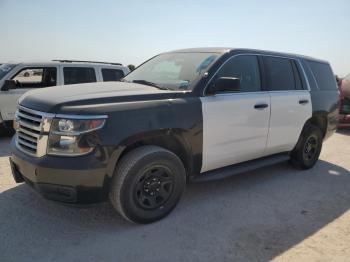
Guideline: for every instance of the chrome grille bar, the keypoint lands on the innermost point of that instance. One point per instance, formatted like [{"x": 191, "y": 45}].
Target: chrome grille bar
[{"x": 32, "y": 129}]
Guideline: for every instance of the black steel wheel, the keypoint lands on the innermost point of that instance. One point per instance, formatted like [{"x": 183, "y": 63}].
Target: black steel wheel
[
  {"x": 310, "y": 148},
  {"x": 154, "y": 187},
  {"x": 147, "y": 184}
]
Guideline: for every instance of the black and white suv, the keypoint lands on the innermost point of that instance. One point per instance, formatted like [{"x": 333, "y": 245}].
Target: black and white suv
[{"x": 182, "y": 115}]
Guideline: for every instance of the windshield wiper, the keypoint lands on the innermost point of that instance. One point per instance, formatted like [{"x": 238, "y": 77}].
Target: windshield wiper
[{"x": 145, "y": 82}]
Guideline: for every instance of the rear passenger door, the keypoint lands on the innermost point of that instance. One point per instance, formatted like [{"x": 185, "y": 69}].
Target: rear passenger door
[
  {"x": 235, "y": 124},
  {"x": 290, "y": 103}
]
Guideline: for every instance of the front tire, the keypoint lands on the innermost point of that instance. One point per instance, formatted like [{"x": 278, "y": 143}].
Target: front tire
[
  {"x": 308, "y": 148},
  {"x": 147, "y": 184},
  {"x": 6, "y": 129}
]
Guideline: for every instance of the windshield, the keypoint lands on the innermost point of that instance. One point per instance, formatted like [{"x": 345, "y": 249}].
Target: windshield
[
  {"x": 174, "y": 71},
  {"x": 5, "y": 68}
]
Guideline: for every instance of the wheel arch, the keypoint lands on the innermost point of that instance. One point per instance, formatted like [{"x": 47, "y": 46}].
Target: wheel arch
[
  {"x": 173, "y": 140},
  {"x": 320, "y": 120}
]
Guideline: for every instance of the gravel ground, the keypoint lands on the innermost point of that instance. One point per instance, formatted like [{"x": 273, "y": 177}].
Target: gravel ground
[{"x": 275, "y": 213}]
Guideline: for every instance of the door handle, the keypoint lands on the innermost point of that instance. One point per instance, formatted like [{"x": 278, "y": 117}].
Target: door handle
[
  {"x": 261, "y": 106},
  {"x": 303, "y": 101}
]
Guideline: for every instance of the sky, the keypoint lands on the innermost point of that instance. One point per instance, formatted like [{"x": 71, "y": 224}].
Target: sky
[{"x": 132, "y": 31}]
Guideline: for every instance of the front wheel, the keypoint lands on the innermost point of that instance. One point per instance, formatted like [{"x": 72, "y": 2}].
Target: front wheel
[
  {"x": 147, "y": 184},
  {"x": 308, "y": 148}
]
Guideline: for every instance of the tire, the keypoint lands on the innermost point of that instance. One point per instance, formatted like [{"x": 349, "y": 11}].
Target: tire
[
  {"x": 6, "y": 129},
  {"x": 308, "y": 148},
  {"x": 147, "y": 184}
]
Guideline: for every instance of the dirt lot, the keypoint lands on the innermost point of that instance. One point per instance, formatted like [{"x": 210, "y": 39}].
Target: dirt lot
[{"x": 273, "y": 213}]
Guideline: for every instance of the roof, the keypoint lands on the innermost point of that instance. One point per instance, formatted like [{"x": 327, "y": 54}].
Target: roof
[
  {"x": 63, "y": 61},
  {"x": 204, "y": 50},
  {"x": 231, "y": 49}
]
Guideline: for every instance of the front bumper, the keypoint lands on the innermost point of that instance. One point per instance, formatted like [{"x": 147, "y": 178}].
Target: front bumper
[
  {"x": 343, "y": 120},
  {"x": 68, "y": 179}
]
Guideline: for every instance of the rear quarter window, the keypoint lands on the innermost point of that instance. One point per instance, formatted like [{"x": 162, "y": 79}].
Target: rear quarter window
[
  {"x": 323, "y": 75},
  {"x": 109, "y": 74}
]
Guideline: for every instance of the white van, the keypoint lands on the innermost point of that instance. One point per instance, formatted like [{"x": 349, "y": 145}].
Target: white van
[{"x": 18, "y": 78}]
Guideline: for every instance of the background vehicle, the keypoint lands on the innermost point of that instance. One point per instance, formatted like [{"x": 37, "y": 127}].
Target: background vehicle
[
  {"x": 16, "y": 79},
  {"x": 183, "y": 115},
  {"x": 344, "y": 109}
]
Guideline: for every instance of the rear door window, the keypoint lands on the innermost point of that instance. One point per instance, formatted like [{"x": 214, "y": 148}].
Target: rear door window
[
  {"x": 279, "y": 74},
  {"x": 78, "y": 75},
  {"x": 109, "y": 74},
  {"x": 36, "y": 77},
  {"x": 323, "y": 75}
]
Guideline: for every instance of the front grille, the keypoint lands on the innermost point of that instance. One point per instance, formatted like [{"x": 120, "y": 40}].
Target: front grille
[{"x": 32, "y": 130}]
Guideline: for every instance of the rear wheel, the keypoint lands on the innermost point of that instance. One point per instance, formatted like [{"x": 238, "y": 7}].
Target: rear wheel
[
  {"x": 147, "y": 184},
  {"x": 308, "y": 148}
]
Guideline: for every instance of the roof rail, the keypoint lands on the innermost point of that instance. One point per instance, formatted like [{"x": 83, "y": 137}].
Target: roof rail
[{"x": 81, "y": 61}]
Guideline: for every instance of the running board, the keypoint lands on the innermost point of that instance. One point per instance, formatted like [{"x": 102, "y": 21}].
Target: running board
[{"x": 241, "y": 168}]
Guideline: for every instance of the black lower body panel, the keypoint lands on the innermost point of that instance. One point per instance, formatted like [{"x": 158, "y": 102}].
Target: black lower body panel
[
  {"x": 241, "y": 167},
  {"x": 71, "y": 180}
]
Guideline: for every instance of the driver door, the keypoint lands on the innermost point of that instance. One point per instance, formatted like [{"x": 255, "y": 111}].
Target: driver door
[{"x": 235, "y": 124}]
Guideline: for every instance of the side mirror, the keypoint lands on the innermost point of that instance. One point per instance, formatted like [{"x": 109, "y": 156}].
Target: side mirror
[
  {"x": 9, "y": 84},
  {"x": 225, "y": 84}
]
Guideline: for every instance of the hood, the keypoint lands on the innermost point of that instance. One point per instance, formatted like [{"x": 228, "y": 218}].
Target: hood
[{"x": 51, "y": 99}]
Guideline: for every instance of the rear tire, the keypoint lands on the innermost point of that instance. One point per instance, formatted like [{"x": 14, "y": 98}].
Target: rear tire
[
  {"x": 147, "y": 184},
  {"x": 308, "y": 148}
]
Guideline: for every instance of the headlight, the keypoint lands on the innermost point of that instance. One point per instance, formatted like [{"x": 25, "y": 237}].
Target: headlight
[{"x": 72, "y": 137}]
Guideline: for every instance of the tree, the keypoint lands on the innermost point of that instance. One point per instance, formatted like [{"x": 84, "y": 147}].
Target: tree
[{"x": 131, "y": 67}]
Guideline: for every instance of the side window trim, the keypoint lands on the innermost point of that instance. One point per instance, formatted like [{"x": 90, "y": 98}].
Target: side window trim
[
  {"x": 313, "y": 75},
  {"x": 226, "y": 61},
  {"x": 262, "y": 74},
  {"x": 303, "y": 74},
  {"x": 297, "y": 76},
  {"x": 262, "y": 70}
]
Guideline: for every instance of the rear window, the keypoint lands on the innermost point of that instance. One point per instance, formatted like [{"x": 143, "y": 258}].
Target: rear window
[
  {"x": 323, "y": 75},
  {"x": 112, "y": 74},
  {"x": 78, "y": 75},
  {"x": 280, "y": 74}
]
